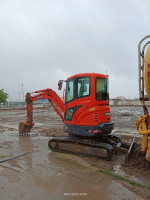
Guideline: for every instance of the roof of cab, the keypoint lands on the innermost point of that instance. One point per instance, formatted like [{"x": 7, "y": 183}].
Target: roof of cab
[{"x": 88, "y": 74}]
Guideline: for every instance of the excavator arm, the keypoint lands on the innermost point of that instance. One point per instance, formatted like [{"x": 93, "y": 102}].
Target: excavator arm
[{"x": 54, "y": 100}]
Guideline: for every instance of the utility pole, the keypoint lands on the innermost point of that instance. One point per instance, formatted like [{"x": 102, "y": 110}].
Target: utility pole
[{"x": 21, "y": 84}]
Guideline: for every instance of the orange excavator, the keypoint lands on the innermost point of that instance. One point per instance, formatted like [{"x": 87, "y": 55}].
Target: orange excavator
[{"x": 85, "y": 114}]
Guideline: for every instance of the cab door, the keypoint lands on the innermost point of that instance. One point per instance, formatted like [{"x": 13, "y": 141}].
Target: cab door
[
  {"x": 78, "y": 92},
  {"x": 69, "y": 100}
]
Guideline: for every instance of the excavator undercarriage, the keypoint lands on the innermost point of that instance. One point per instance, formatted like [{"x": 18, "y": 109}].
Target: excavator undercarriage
[{"x": 100, "y": 147}]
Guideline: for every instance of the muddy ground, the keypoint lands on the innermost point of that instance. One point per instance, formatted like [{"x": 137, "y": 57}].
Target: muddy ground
[{"x": 48, "y": 175}]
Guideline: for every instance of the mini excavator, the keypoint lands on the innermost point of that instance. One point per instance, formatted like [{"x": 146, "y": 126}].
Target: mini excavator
[
  {"x": 143, "y": 123},
  {"x": 85, "y": 115}
]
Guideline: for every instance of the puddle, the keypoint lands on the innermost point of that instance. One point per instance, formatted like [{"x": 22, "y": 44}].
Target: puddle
[{"x": 9, "y": 136}]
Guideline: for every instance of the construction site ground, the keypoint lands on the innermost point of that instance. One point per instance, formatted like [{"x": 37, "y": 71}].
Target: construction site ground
[{"x": 42, "y": 174}]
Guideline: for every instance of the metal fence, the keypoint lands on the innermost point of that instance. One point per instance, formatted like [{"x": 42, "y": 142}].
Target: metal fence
[
  {"x": 117, "y": 102},
  {"x": 19, "y": 104},
  {"x": 12, "y": 105}
]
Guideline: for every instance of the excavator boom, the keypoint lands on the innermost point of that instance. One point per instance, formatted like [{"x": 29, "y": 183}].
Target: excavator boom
[{"x": 53, "y": 98}]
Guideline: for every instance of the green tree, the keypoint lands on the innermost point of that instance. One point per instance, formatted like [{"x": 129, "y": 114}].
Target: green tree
[{"x": 3, "y": 96}]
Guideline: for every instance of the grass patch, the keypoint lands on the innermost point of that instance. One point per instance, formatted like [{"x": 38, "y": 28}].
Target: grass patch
[{"x": 135, "y": 183}]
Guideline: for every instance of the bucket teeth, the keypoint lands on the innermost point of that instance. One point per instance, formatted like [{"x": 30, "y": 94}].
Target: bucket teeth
[{"x": 24, "y": 129}]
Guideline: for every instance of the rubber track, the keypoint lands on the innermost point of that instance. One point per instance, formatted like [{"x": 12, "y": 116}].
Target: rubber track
[{"x": 89, "y": 142}]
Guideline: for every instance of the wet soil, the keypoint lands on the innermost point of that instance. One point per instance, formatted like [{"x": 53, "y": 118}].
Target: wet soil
[{"x": 48, "y": 175}]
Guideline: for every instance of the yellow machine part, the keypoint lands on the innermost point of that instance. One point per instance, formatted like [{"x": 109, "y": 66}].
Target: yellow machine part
[
  {"x": 143, "y": 123},
  {"x": 142, "y": 129},
  {"x": 147, "y": 71}
]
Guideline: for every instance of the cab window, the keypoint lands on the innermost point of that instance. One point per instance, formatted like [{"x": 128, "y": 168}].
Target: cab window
[
  {"x": 83, "y": 85},
  {"x": 102, "y": 92},
  {"x": 70, "y": 91},
  {"x": 69, "y": 114}
]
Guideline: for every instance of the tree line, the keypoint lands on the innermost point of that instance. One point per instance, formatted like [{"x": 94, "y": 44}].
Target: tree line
[{"x": 3, "y": 96}]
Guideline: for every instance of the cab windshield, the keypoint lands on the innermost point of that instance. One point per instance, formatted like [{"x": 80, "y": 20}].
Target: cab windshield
[
  {"x": 83, "y": 85},
  {"x": 78, "y": 88},
  {"x": 102, "y": 92}
]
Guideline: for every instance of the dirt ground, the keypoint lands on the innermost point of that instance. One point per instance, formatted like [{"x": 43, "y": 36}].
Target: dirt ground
[{"x": 48, "y": 175}]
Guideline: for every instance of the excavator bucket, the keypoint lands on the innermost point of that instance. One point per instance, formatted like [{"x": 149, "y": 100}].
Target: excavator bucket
[{"x": 24, "y": 129}]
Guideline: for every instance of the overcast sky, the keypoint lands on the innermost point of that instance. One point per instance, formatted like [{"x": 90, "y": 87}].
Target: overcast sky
[{"x": 42, "y": 41}]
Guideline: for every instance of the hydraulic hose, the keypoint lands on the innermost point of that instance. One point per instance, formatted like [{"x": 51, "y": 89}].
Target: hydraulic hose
[{"x": 13, "y": 158}]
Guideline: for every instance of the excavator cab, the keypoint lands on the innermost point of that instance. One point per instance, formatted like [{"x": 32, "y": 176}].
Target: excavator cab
[{"x": 87, "y": 110}]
